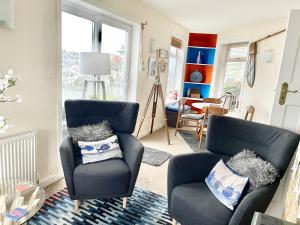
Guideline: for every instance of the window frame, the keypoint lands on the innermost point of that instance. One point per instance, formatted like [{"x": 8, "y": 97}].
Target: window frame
[
  {"x": 98, "y": 20},
  {"x": 226, "y": 60}
]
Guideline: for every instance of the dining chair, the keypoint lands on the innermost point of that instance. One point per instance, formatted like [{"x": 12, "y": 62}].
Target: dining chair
[
  {"x": 208, "y": 111},
  {"x": 184, "y": 119},
  {"x": 250, "y": 112},
  {"x": 212, "y": 100}
]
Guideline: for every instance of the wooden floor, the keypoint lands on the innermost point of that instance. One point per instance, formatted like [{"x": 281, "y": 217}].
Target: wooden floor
[{"x": 150, "y": 177}]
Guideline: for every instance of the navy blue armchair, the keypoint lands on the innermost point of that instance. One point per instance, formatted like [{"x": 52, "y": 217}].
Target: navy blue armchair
[
  {"x": 190, "y": 201},
  {"x": 110, "y": 178}
]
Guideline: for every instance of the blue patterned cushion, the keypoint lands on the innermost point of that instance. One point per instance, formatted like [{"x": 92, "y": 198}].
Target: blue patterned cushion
[
  {"x": 100, "y": 150},
  {"x": 226, "y": 185}
]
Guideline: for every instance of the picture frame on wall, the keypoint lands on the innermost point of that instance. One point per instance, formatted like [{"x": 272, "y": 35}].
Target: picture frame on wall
[
  {"x": 7, "y": 14},
  {"x": 151, "y": 67},
  {"x": 163, "y": 53}
]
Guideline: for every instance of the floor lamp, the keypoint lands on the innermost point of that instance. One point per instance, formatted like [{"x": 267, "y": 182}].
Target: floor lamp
[{"x": 96, "y": 64}]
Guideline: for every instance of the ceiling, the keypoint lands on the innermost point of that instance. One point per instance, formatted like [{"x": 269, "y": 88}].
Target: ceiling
[{"x": 220, "y": 15}]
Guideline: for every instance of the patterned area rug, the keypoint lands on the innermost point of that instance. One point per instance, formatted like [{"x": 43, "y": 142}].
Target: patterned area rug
[
  {"x": 144, "y": 207},
  {"x": 155, "y": 157},
  {"x": 192, "y": 142}
]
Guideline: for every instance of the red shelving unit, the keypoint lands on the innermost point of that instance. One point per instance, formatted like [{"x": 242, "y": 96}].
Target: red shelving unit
[{"x": 205, "y": 45}]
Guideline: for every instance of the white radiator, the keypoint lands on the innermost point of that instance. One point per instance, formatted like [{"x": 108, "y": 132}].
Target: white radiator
[{"x": 18, "y": 156}]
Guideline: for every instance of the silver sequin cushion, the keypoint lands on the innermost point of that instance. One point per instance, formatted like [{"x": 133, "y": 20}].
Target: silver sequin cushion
[
  {"x": 259, "y": 172},
  {"x": 95, "y": 132}
]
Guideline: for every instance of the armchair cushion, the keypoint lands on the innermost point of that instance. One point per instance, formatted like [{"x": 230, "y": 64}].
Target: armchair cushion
[
  {"x": 226, "y": 185},
  {"x": 110, "y": 177},
  {"x": 194, "y": 204},
  {"x": 92, "y": 132}
]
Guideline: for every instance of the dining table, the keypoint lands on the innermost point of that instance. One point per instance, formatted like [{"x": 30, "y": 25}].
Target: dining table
[{"x": 203, "y": 105}]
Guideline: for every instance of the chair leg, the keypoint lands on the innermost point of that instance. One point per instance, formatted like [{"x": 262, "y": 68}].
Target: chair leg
[
  {"x": 201, "y": 136},
  {"x": 174, "y": 222},
  {"x": 76, "y": 205},
  {"x": 177, "y": 125},
  {"x": 197, "y": 129},
  {"x": 125, "y": 201}
]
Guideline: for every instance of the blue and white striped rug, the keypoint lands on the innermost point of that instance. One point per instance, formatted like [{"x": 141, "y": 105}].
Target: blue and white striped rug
[{"x": 144, "y": 208}]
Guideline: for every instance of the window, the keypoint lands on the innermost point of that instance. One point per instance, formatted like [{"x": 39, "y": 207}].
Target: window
[
  {"x": 176, "y": 56},
  {"x": 234, "y": 70},
  {"x": 86, "y": 31},
  {"x": 77, "y": 36}
]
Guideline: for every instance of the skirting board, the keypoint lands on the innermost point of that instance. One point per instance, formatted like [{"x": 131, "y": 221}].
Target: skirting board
[
  {"x": 46, "y": 181},
  {"x": 144, "y": 133}
]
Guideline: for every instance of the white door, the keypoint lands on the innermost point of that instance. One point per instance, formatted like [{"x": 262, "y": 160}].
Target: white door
[
  {"x": 287, "y": 114},
  {"x": 286, "y": 110}
]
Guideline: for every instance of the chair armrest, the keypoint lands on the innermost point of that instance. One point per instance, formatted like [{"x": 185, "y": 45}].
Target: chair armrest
[
  {"x": 189, "y": 168},
  {"x": 133, "y": 154},
  {"x": 68, "y": 163},
  {"x": 255, "y": 201}
]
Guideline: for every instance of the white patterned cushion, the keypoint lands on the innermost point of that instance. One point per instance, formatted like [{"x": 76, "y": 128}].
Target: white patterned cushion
[
  {"x": 100, "y": 150},
  {"x": 226, "y": 185}
]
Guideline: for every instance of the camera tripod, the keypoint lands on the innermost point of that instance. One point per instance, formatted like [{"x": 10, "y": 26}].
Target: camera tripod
[{"x": 156, "y": 92}]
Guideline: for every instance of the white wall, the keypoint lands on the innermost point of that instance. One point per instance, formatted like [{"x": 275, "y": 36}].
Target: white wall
[
  {"x": 31, "y": 50},
  {"x": 262, "y": 94},
  {"x": 160, "y": 28}
]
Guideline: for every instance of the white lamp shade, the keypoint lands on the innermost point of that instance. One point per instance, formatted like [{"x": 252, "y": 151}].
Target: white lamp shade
[{"x": 94, "y": 63}]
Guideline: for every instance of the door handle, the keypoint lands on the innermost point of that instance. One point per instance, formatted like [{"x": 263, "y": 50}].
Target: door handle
[
  {"x": 284, "y": 91},
  {"x": 295, "y": 91}
]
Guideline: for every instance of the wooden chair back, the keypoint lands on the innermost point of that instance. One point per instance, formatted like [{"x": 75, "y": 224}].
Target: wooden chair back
[
  {"x": 181, "y": 106},
  {"x": 213, "y": 110},
  {"x": 212, "y": 100},
  {"x": 250, "y": 112}
]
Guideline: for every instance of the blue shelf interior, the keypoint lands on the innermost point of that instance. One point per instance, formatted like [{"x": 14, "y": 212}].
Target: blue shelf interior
[
  {"x": 207, "y": 55},
  {"x": 204, "y": 89}
]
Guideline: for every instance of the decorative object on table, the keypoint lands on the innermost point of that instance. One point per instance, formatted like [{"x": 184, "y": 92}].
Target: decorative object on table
[
  {"x": 17, "y": 202},
  {"x": 7, "y": 14},
  {"x": 259, "y": 171},
  {"x": 156, "y": 92},
  {"x": 18, "y": 208},
  {"x": 16, "y": 214},
  {"x": 6, "y": 82},
  {"x": 263, "y": 219},
  {"x": 196, "y": 76},
  {"x": 151, "y": 67},
  {"x": 198, "y": 60},
  {"x": 188, "y": 92},
  {"x": 163, "y": 53},
  {"x": 226, "y": 185},
  {"x": 2, "y": 206},
  {"x": 195, "y": 93},
  {"x": 155, "y": 157},
  {"x": 33, "y": 197},
  {"x": 97, "y": 64},
  {"x": 148, "y": 208}
]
